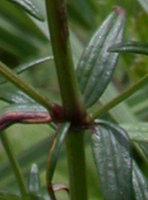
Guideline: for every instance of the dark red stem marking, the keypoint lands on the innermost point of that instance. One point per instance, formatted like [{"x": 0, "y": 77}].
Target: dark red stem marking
[{"x": 9, "y": 118}]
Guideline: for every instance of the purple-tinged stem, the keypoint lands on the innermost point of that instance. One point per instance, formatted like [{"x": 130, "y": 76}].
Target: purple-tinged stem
[{"x": 9, "y": 118}]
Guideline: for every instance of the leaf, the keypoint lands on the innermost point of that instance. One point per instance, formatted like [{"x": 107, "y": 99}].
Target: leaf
[
  {"x": 144, "y": 4},
  {"x": 53, "y": 154},
  {"x": 144, "y": 146},
  {"x": 26, "y": 113},
  {"x": 20, "y": 37},
  {"x": 112, "y": 154},
  {"x": 137, "y": 131},
  {"x": 11, "y": 94},
  {"x": 96, "y": 65},
  {"x": 32, "y": 7},
  {"x": 130, "y": 47},
  {"x": 34, "y": 180},
  {"x": 23, "y": 67},
  {"x": 140, "y": 184},
  {"x": 55, "y": 148},
  {"x": 108, "y": 94}
]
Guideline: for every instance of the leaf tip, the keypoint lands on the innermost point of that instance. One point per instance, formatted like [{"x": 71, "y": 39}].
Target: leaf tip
[
  {"x": 119, "y": 10},
  {"x": 34, "y": 168}
]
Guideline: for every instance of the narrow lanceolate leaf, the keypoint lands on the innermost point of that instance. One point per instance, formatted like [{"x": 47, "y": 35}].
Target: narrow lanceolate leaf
[
  {"x": 27, "y": 113},
  {"x": 23, "y": 67},
  {"x": 112, "y": 154},
  {"x": 54, "y": 151},
  {"x": 34, "y": 180},
  {"x": 137, "y": 131},
  {"x": 144, "y": 4},
  {"x": 130, "y": 47},
  {"x": 144, "y": 147},
  {"x": 31, "y": 7},
  {"x": 96, "y": 65},
  {"x": 11, "y": 94},
  {"x": 140, "y": 184},
  {"x": 55, "y": 148}
]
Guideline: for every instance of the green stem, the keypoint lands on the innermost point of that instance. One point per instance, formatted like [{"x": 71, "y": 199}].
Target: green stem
[
  {"x": 71, "y": 96},
  {"x": 59, "y": 33},
  {"x": 15, "y": 79},
  {"x": 16, "y": 168},
  {"x": 127, "y": 93},
  {"x": 76, "y": 164}
]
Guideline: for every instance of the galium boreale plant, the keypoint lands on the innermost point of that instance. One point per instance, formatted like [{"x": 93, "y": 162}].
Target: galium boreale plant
[{"x": 80, "y": 89}]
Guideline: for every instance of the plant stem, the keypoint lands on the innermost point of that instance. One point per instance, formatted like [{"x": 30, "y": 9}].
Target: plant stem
[
  {"x": 71, "y": 96},
  {"x": 76, "y": 164},
  {"x": 16, "y": 168},
  {"x": 15, "y": 79},
  {"x": 59, "y": 33},
  {"x": 127, "y": 93}
]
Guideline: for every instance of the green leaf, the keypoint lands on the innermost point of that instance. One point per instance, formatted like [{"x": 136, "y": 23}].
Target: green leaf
[
  {"x": 96, "y": 65},
  {"x": 130, "y": 47},
  {"x": 112, "y": 154},
  {"x": 53, "y": 155},
  {"x": 25, "y": 113},
  {"x": 55, "y": 148},
  {"x": 20, "y": 37},
  {"x": 144, "y": 4},
  {"x": 33, "y": 7},
  {"x": 23, "y": 67},
  {"x": 144, "y": 146},
  {"x": 140, "y": 184},
  {"x": 11, "y": 94},
  {"x": 108, "y": 94},
  {"x": 34, "y": 180},
  {"x": 137, "y": 131}
]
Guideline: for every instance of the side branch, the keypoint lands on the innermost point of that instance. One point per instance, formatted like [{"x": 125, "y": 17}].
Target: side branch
[
  {"x": 8, "y": 118},
  {"x": 25, "y": 87},
  {"x": 121, "y": 97}
]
